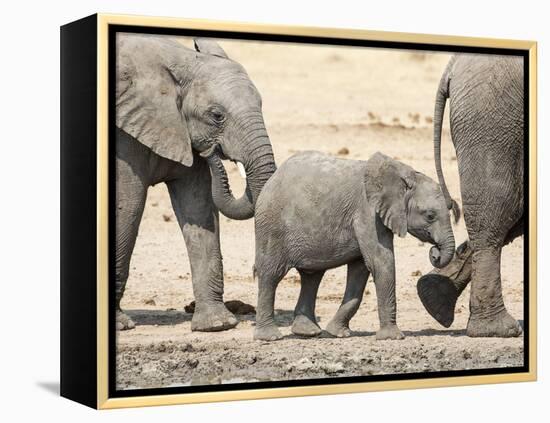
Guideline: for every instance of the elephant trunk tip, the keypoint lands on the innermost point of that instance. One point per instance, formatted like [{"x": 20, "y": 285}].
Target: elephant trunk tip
[
  {"x": 441, "y": 256},
  {"x": 435, "y": 257}
]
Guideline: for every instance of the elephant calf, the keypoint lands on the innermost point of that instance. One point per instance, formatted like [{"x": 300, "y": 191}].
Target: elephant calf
[{"x": 318, "y": 212}]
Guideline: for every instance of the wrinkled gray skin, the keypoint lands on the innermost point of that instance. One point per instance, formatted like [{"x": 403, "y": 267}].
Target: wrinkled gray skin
[
  {"x": 318, "y": 212},
  {"x": 486, "y": 118},
  {"x": 178, "y": 113}
]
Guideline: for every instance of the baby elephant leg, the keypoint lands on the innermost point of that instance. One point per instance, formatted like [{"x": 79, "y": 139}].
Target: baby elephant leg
[
  {"x": 384, "y": 281},
  {"x": 266, "y": 329},
  {"x": 358, "y": 275},
  {"x": 305, "y": 323}
]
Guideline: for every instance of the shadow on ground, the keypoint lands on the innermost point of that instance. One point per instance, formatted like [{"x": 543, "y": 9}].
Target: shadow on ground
[
  {"x": 50, "y": 387},
  {"x": 159, "y": 317}
]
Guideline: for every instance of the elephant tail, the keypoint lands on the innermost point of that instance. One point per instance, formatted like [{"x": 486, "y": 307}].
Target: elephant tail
[{"x": 440, "y": 100}]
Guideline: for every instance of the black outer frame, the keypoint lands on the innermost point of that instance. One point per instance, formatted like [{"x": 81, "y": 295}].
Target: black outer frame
[
  {"x": 79, "y": 205},
  {"x": 79, "y": 211}
]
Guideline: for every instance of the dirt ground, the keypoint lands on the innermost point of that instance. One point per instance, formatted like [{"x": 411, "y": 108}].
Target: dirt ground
[{"x": 327, "y": 99}]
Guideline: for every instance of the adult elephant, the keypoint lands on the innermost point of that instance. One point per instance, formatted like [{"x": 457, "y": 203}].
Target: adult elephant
[
  {"x": 486, "y": 119},
  {"x": 179, "y": 112}
]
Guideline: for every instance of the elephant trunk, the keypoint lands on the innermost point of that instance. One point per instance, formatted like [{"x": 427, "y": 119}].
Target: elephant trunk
[
  {"x": 442, "y": 253},
  {"x": 259, "y": 166}
]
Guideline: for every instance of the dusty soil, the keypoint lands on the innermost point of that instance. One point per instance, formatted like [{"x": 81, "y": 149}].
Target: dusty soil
[{"x": 342, "y": 101}]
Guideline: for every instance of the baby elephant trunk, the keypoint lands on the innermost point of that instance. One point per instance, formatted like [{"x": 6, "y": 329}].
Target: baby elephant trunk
[{"x": 442, "y": 253}]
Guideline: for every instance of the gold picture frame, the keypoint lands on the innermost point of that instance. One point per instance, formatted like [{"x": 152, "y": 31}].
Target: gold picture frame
[{"x": 98, "y": 27}]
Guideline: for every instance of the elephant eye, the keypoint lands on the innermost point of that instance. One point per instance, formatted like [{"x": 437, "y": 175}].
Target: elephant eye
[
  {"x": 217, "y": 116},
  {"x": 430, "y": 215}
]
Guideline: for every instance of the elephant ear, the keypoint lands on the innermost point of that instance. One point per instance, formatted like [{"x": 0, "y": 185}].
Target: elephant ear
[
  {"x": 207, "y": 46},
  {"x": 388, "y": 184},
  {"x": 148, "y": 99}
]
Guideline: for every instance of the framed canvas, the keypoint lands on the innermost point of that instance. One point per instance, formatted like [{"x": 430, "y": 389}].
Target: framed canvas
[{"x": 382, "y": 236}]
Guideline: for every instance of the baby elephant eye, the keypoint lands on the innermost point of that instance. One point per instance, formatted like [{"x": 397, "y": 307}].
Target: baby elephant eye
[{"x": 431, "y": 216}]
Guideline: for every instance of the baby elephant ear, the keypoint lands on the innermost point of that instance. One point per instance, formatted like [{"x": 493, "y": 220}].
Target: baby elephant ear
[
  {"x": 387, "y": 184},
  {"x": 207, "y": 46}
]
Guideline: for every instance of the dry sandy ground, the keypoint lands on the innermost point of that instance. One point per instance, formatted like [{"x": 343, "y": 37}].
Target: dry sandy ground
[{"x": 315, "y": 98}]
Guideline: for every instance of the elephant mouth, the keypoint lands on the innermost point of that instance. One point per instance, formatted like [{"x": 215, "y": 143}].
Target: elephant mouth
[
  {"x": 422, "y": 235},
  {"x": 217, "y": 149},
  {"x": 440, "y": 252},
  {"x": 257, "y": 168},
  {"x": 240, "y": 167}
]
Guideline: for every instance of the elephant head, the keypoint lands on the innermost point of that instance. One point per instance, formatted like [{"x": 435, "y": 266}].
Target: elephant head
[
  {"x": 408, "y": 201},
  {"x": 176, "y": 100}
]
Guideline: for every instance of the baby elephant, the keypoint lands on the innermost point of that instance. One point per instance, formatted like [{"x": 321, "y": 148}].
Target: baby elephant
[{"x": 318, "y": 212}]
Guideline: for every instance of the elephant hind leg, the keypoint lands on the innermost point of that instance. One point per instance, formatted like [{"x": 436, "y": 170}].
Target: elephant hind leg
[
  {"x": 305, "y": 323},
  {"x": 267, "y": 278},
  {"x": 488, "y": 314},
  {"x": 488, "y": 232},
  {"x": 358, "y": 275}
]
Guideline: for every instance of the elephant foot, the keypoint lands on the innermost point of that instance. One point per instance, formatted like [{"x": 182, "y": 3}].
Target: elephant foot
[
  {"x": 389, "y": 332},
  {"x": 123, "y": 321},
  {"x": 212, "y": 318},
  {"x": 267, "y": 333},
  {"x": 439, "y": 290},
  {"x": 303, "y": 326},
  {"x": 338, "y": 330},
  {"x": 438, "y": 295},
  {"x": 502, "y": 326}
]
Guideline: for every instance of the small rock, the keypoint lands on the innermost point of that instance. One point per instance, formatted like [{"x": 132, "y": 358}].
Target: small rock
[
  {"x": 343, "y": 151},
  {"x": 466, "y": 355},
  {"x": 416, "y": 273},
  {"x": 149, "y": 301},
  {"x": 190, "y": 308},
  {"x": 415, "y": 117},
  {"x": 192, "y": 362},
  {"x": 239, "y": 308},
  {"x": 187, "y": 347},
  {"x": 332, "y": 368},
  {"x": 167, "y": 217}
]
